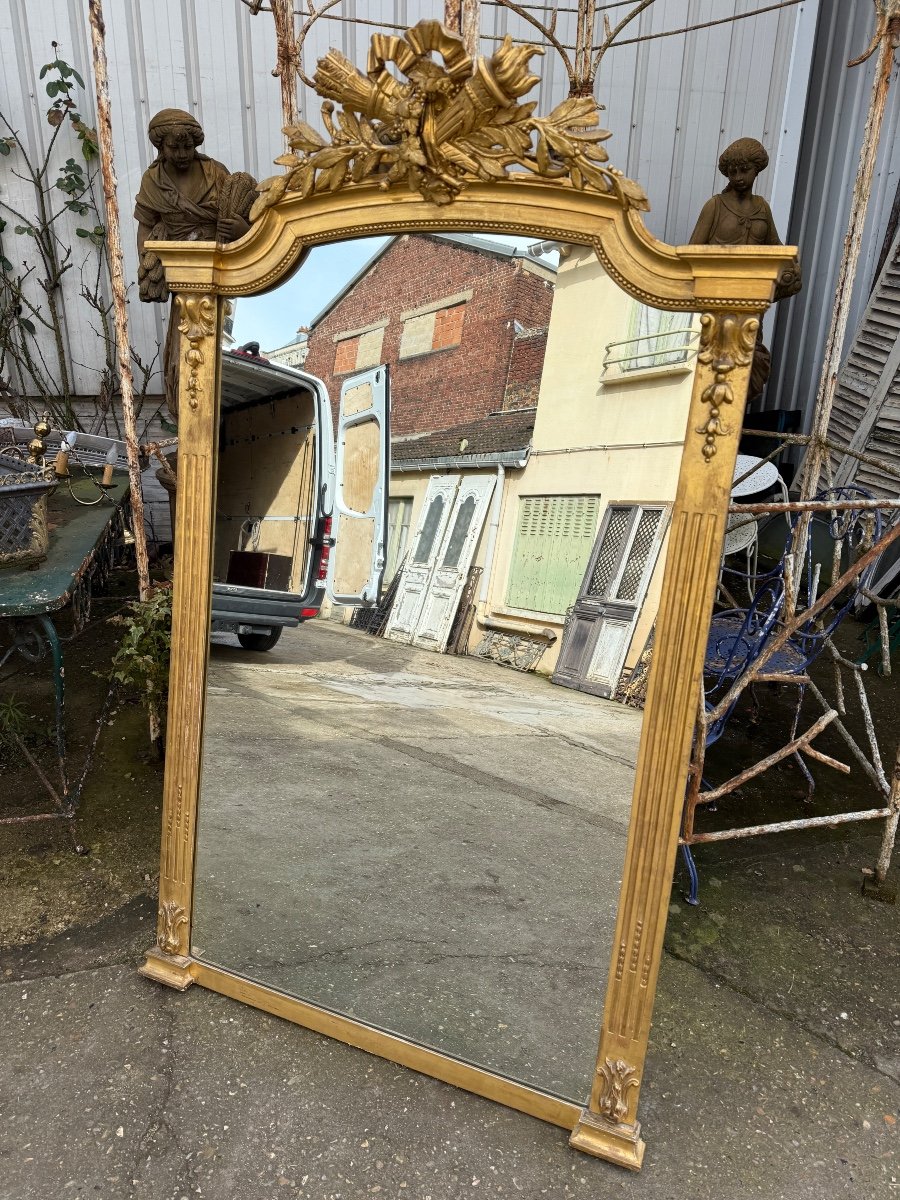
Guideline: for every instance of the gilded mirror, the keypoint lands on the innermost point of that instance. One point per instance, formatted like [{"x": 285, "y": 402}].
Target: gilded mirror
[{"x": 462, "y": 910}]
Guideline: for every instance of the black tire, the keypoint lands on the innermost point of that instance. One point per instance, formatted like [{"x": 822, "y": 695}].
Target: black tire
[{"x": 260, "y": 641}]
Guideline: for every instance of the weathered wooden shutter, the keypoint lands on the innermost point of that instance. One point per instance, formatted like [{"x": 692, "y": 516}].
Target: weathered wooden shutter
[
  {"x": 866, "y": 413},
  {"x": 554, "y": 537}
]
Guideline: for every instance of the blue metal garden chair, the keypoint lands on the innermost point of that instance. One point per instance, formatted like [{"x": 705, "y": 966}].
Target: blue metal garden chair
[{"x": 738, "y": 637}]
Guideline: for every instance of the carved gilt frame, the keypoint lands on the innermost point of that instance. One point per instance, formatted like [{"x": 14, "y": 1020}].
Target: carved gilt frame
[{"x": 564, "y": 196}]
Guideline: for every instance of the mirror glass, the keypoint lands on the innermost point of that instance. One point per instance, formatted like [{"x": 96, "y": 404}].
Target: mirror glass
[{"x": 415, "y": 812}]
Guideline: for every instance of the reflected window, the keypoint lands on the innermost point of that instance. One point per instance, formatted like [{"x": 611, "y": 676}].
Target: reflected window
[
  {"x": 429, "y": 530},
  {"x": 554, "y": 538},
  {"x": 399, "y": 511},
  {"x": 655, "y": 339},
  {"x": 345, "y": 355},
  {"x": 458, "y": 535}
]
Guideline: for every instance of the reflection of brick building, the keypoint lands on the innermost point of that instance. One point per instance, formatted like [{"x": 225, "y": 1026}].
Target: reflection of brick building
[{"x": 461, "y": 321}]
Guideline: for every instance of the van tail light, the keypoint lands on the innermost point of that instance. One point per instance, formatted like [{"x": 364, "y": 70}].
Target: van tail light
[
  {"x": 326, "y": 551},
  {"x": 307, "y": 613}
]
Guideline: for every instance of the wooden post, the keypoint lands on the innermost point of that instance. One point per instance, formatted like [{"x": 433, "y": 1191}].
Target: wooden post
[
  {"x": 286, "y": 58},
  {"x": 117, "y": 274},
  {"x": 464, "y": 18},
  {"x": 885, "y": 39}
]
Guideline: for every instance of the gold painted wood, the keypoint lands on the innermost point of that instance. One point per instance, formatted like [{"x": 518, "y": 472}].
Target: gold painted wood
[
  {"x": 390, "y": 1046},
  {"x": 731, "y": 287},
  {"x": 449, "y": 123},
  {"x": 201, "y": 328},
  {"x": 609, "y": 1126}
]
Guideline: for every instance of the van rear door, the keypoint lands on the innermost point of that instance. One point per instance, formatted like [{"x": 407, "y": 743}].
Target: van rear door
[{"x": 359, "y": 529}]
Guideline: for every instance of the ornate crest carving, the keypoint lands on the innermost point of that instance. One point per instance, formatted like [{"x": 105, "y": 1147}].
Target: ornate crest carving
[
  {"x": 726, "y": 342},
  {"x": 198, "y": 322},
  {"x": 616, "y": 1077},
  {"x": 172, "y": 916},
  {"x": 446, "y": 125}
]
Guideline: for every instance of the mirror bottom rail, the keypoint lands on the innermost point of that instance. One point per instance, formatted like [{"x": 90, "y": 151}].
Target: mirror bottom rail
[{"x": 519, "y": 1096}]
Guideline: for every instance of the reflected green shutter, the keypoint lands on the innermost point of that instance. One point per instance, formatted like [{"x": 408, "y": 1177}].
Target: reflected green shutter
[{"x": 554, "y": 537}]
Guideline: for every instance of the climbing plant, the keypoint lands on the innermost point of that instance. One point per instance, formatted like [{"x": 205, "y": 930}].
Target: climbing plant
[{"x": 37, "y": 252}]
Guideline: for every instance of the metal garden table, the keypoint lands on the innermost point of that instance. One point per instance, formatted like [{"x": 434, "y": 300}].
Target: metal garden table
[{"x": 85, "y": 542}]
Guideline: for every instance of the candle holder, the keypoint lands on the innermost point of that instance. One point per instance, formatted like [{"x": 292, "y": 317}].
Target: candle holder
[{"x": 104, "y": 484}]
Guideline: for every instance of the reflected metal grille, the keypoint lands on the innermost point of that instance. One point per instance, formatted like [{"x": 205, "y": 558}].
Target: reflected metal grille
[
  {"x": 640, "y": 552},
  {"x": 610, "y": 552}
]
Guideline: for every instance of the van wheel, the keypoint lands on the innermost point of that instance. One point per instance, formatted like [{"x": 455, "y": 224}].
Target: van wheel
[{"x": 260, "y": 641}]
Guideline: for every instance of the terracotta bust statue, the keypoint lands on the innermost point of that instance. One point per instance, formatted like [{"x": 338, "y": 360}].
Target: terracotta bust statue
[
  {"x": 738, "y": 217},
  {"x": 184, "y": 196}
]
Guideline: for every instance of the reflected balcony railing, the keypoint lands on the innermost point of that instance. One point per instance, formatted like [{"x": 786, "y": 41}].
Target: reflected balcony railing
[{"x": 669, "y": 348}]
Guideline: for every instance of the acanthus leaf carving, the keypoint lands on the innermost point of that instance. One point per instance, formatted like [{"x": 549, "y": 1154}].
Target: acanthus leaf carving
[
  {"x": 172, "y": 918},
  {"x": 197, "y": 323},
  {"x": 726, "y": 342},
  {"x": 617, "y": 1078},
  {"x": 445, "y": 126}
]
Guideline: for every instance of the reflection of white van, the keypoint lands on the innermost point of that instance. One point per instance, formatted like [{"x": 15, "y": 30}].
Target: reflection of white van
[{"x": 296, "y": 515}]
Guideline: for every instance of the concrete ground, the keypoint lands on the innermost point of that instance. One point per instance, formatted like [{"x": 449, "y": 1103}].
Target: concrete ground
[
  {"x": 775, "y": 1058},
  {"x": 405, "y": 837}
]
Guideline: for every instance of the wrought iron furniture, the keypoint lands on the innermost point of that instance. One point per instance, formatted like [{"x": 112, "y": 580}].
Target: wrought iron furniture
[
  {"x": 84, "y": 545},
  {"x": 744, "y": 648}
]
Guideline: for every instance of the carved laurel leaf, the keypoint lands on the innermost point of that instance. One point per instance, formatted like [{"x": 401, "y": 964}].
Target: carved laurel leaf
[
  {"x": 542, "y": 155},
  {"x": 633, "y": 193},
  {"x": 335, "y": 177},
  {"x": 304, "y": 180},
  {"x": 350, "y": 125},
  {"x": 329, "y": 156},
  {"x": 438, "y": 125},
  {"x": 303, "y": 137},
  {"x": 365, "y": 164},
  {"x": 577, "y": 110}
]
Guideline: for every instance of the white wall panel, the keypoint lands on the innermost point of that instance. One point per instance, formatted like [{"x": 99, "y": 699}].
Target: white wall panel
[
  {"x": 672, "y": 103},
  {"x": 826, "y": 172}
]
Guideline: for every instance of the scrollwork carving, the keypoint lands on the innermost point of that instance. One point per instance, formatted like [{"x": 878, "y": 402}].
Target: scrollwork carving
[
  {"x": 172, "y": 917},
  {"x": 726, "y": 342},
  {"x": 445, "y": 126},
  {"x": 197, "y": 323},
  {"x": 616, "y": 1079}
]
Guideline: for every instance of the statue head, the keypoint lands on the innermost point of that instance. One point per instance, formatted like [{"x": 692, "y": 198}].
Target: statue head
[
  {"x": 176, "y": 135},
  {"x": 741, "y": 162}
]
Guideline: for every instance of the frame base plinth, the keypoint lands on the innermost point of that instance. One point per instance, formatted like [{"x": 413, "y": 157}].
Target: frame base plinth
[
  {"x": 171, "y": 969},
  {"x": 620, "y": 1144}
]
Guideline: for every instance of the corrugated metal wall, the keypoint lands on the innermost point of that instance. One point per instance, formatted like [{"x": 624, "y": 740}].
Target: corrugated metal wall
[
  {"x": 672, "y": 103},
  {"x": 829, "y": 156}
]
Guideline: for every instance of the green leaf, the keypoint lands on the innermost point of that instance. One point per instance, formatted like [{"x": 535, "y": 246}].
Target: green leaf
[
  {"x": 5, "y": 146},
  {"x": 44, "y": 69},
  {"x": 5, "y": 264},
  {"x": 53, "y": 88},
  {"x": 77, "y": 77},
  {"x": 27, "y": 326}
]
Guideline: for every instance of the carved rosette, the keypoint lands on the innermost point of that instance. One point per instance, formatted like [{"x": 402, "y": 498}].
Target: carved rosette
[
  {"x": 446, "y": 125},
  {"x": 197, "y": 323},
  {"x": 171, "y": 919},
  {"x": 616, "y": 1079},
  {"x": 726, "y": 342}
]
